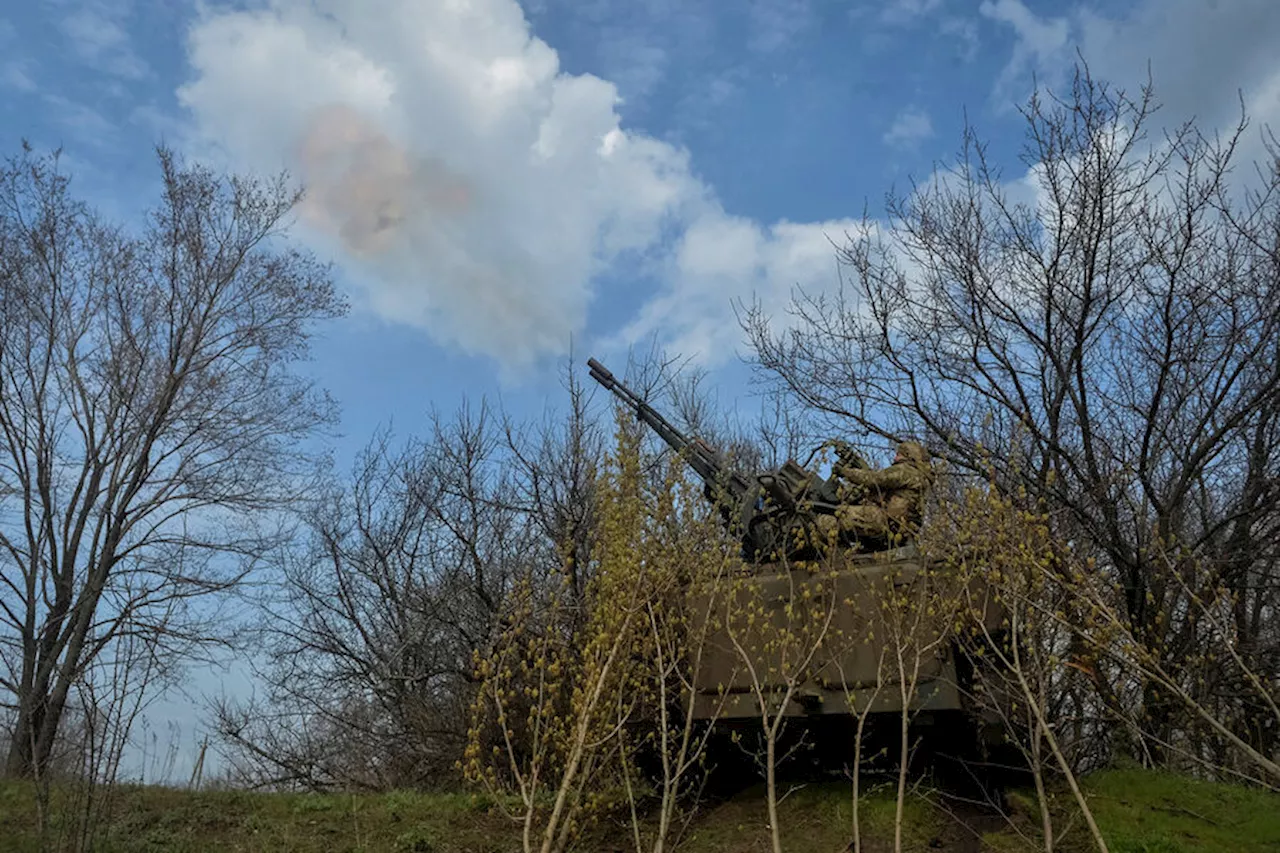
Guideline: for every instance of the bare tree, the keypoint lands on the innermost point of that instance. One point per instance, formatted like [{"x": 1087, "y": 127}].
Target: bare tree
[
  {"x": 557, "y": 694},
  {"x": 1004, "y": 558},
  {"x": 555, "y": 468},
  {"x": 1111, "y": 346},
  {"x": 149, "y": 418},
  {"x": 370, "y": 635},
  {"x": 105, "y": 705},
  {"x": 404, "y": 575}
]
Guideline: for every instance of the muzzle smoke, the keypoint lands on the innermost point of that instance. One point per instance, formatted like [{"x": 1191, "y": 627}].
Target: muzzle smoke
[{"x": 364, "y": 187}]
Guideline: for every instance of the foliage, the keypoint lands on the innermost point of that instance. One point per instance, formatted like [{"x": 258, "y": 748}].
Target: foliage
[
  {"x": 153, "y": 432},
  {"x": 1106, "y": 342},
  {"x": 1013, "y": 624},
  {"x": 568, "y": 699}
]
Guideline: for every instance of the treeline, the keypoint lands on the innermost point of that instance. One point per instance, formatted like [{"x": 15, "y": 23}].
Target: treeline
[
  {"x": 407, "y": 569},
  {"x": 1098, "y": 370},
  {"x": 525, "y": 606},
  {"x": 1107, "y": 354}
]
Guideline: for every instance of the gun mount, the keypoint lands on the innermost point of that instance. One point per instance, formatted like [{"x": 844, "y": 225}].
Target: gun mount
[{"x": 768, "y": 510}]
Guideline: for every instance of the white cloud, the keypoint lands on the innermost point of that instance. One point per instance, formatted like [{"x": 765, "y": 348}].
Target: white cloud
[
  {"x": 476, "y": 186},
  {"x": 776, "y": 24},
  {"x": 15, "y": 71},
  {"x": 14, "y": 74},
  {"x": 899, "y": 12},
  {"x": 1200, "y": 55},
  {"x": 963, "y": 30},
  {"x": 473, "y": 187},
  {"x": 636, "y": 64},
  {"x": 723, "y": 261},
  {"x": 886, "y": 16},
  {"x": 911, "y": 127},
  {"x": 1039, "y": 44},
  {"x": 87, "y": 123},
  {"x": 1232, "y": 44},
  {"x": 479, "y": 191},
  {"x": 98, "y": 38},
  {"x": 635, "y": 44}
]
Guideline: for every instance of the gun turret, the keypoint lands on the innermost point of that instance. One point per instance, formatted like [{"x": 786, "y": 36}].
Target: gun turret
[{"x": 764, "y": 511}]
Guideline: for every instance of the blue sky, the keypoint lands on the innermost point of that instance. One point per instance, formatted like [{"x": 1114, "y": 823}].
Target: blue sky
[
  {"x": 604, "y": 172},
  {"x": 595, "y": 171}
]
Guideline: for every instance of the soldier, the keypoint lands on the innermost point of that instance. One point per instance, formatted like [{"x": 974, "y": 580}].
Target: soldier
[{"x": 894, "y": 497}]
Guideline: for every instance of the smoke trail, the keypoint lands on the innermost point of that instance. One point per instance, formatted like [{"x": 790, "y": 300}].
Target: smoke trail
[{"x": 364, "y": 187}]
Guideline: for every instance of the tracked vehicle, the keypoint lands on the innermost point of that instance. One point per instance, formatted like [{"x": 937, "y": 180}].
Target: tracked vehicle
[{"x": 774, "y": 513}]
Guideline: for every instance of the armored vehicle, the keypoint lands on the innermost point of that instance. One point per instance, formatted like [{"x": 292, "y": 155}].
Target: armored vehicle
[{"x": 776, "y": 514}]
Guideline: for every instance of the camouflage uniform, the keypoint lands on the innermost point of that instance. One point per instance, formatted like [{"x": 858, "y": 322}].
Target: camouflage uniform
[{"x": 894, "y": 497}]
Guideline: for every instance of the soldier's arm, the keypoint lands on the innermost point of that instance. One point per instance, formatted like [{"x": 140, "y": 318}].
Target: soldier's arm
[
  {"x": 860, "y": 476},
  {"x": 893, "y": 477}
]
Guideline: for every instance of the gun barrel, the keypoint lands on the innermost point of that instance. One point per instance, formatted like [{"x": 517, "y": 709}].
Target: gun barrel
[
  {"x": 643, "y": 410},
  {"x": 601, "y": 374},
  {"x": 701, "y": 457}
]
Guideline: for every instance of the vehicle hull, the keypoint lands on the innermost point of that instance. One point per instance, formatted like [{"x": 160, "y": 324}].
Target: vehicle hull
[{"x": 780, "y": 615}]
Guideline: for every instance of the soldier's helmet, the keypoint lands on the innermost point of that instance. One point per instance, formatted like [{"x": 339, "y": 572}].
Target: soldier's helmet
[{"x": 914, "y": 453}]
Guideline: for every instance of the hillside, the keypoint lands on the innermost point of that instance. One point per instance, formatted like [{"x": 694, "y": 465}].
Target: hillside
[{"x": 1139, "y": 811}]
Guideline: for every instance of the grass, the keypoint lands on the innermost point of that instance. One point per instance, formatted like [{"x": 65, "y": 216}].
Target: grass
[
  {"x": 159, "y": 819},
  {"x": 1139, "y": 812},
  {"x": 1145, "y": 811},
  {"x": 813, "y": 818}
]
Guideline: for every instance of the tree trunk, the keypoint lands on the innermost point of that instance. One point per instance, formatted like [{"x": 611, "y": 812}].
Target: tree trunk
[
  {"x": 1158, "y": 729},
  {"x": 44, "y": 699},
  {"x": 18, "y": 763},
  {"x": 35, "y": 731}
]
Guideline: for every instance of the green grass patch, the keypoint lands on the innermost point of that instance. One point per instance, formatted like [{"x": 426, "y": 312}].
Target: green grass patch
[
  {"x": 815, "y": 817},
  {"x": 159, "y": 820},
  {"x": 1139, "y": 812},
  {"x": 1144, "y": 811}
]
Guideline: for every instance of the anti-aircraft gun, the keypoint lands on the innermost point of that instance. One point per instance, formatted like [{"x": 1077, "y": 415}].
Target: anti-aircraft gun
[{"x": 768, "y": 511}]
